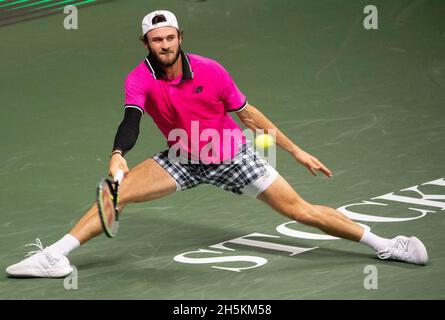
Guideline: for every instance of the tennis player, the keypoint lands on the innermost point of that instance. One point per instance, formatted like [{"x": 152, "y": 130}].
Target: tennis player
[{"x": 185, "y": 92}]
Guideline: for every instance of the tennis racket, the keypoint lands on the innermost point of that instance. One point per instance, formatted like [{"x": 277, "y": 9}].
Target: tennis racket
[{"x": 107, "y": 198}]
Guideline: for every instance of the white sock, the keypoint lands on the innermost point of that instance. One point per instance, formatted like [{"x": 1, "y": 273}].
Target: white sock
[
  {"x": 64, "y": 246},
  {"x": 375, "y": 242}
]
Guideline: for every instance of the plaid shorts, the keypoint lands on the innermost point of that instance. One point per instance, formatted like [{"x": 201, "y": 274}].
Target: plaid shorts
[{"x": 237, "y": 176}]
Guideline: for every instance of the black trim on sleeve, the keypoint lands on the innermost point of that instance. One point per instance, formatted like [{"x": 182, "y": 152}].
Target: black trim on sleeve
[
  {"x": 128, "y": 130},
  {"x": 240, "y": 108}
]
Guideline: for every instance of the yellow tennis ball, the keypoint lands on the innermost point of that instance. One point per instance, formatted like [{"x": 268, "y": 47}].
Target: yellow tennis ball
[{"x": 264, "y": 141}]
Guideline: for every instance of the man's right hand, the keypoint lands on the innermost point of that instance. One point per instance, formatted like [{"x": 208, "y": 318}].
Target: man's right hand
[{"x": 117, "y": 162}]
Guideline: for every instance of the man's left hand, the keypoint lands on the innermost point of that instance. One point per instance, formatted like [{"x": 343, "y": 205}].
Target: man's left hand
[{"x": 311, "y": 163}]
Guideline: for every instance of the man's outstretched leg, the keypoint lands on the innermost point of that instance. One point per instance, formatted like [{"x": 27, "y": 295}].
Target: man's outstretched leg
[
  {"x": 283, "y": 198},
  {"x": 147, "y": 181}
]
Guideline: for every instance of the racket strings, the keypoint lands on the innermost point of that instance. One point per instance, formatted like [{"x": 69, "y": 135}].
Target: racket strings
[{"x": 108, "y": 206}]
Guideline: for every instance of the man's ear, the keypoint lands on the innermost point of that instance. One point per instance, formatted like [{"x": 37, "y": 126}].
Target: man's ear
[{"x": 144, "y": 40}]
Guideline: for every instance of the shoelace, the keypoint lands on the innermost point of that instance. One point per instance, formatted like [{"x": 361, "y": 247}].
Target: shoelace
[
  {"x": 394, "y": 250},
  {"x": 38, "y": 244},
  {"x": 384, "y": 254}
]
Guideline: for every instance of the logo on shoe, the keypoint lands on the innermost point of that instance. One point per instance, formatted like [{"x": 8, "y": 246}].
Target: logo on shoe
[{"x": 402, "y": 244}]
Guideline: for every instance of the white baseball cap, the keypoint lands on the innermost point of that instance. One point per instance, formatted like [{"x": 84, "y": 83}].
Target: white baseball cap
[{"x": 169, "y": 21}]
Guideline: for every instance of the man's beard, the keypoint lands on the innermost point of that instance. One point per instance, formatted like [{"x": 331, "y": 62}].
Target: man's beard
[{"x": 166, "y": 64}]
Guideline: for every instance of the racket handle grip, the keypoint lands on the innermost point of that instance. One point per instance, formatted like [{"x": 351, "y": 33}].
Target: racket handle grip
[{"x": 119, "y": 176}]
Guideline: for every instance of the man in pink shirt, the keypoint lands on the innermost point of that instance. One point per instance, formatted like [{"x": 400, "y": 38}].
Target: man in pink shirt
[{"x": 191, "y": 99}]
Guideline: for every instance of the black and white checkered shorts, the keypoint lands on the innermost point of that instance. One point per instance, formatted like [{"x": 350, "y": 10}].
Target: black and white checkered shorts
[{"x": 246, "y": 167}]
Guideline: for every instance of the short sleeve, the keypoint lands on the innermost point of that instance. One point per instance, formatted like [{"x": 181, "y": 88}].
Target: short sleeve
[
  {"x": 135, "y": 94},
  {"x": 231, "y": 96}
]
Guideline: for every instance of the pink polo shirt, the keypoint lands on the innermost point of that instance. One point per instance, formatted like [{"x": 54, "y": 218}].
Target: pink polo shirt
[{"x": 191, "y": 111}]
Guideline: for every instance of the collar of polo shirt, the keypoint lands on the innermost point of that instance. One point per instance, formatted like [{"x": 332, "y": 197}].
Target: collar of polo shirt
[{"x": 158, "y": 73}]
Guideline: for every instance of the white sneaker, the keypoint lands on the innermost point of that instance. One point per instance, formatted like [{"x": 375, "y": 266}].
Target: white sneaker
[
  {"x": 40, "y": 263},
  {"x": 406, "y": 249}
]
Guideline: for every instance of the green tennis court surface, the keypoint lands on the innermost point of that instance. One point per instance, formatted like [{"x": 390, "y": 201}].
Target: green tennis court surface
[{"x": 368, "y": 103}]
